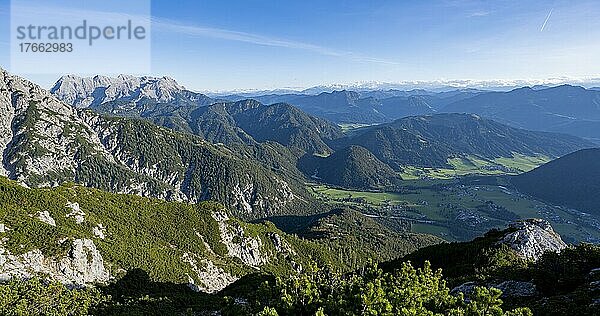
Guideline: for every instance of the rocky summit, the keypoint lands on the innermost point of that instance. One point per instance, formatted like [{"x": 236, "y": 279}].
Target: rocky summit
[
  {"x": 88, "y": 92},
  {"x": 531, "y": 238}
]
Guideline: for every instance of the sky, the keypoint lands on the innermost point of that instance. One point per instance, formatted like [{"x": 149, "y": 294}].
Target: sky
[{"x": 256, "y": 44}]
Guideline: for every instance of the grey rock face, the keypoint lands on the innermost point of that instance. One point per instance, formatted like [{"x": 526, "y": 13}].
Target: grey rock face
[
  {"x": 465, "y": 288},
  {"x": 99, "y": 231},
  {"x": 509, "y": 288},
  {"x": 81, "y": 266},
  {"x": 246, "y": 248},
  {"x": 532, "y": 237},
  {"x": 85, "y": 92},
  {"x": 212, "y": 278},
  {"x": 46, "y": 218},
  {"x": 281, "y": 245},
  {"x": 512, "y": 288},
  {"x": 76, "y": 213}
]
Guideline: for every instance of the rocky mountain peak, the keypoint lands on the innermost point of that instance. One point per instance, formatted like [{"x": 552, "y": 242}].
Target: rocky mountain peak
[
  {"x": 530, "y": 238},
  {"x": 92, "y": 91}
]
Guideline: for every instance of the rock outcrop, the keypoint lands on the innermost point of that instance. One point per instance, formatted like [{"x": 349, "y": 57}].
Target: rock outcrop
[
  {"x": 46, "y": 218},
  {"x": 76, "y": 213},
  {"x": 82, "y": 265},
  {"x": 532, "y": 237},
  {"x": 239, "y": 245},
  {"x": 513, "y": 288},
  {"x": 509, "y": 288},
  {"x": 212, "y": 278}
]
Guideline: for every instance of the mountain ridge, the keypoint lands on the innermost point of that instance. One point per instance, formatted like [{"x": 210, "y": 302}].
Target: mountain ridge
[
  {"x": 557, "y": 108},
  {"x": 429, "y": 141},
  {"x": 46, "y": 142},
  {"x": 165, "y": 103}
]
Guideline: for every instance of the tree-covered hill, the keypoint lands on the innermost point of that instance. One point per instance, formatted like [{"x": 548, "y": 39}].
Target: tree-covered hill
[
  {"x": 350, "y": 167},
  {"x": 429, "y": 141},
  {"x": 572, "y": 180},
  {"x": 279, "y": 122}
]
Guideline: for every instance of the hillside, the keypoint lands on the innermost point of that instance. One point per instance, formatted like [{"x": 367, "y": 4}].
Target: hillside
[
  {"x": 46, "y": 143},
  {"x": 429, "y": 141},
  {"x": 250, "y": 121},
  {"x": 350, "y": 167},
  {"x": 559, "y": 108},
  {"x": 505, "y": 269},
  {"x": 342, "y": 107},
  {"x": 572, "y": 180},
  {"x": 139, "y": 249},
  {"x": 518, "y": 260},
  {"x": 173, "y": 242},
  {"x": 398, "y": 107}
]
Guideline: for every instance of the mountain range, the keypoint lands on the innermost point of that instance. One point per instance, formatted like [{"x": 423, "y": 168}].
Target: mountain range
[
  {"x": 367, "y": 107},
  {"x": 426, "y": 138},
  {"x": 165, "y": 103},
  {"x": 566, "y": 109},
  {"x": 98, "y": 90},
  {"x": 47, "y": 142}
]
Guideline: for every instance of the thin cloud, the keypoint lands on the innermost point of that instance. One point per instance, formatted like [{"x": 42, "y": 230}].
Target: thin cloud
[
  {"x": 546, "y": 21},
  {"x": 477, "y": 14},
  {"x": 258, "y": 39},
  {"x": 210, "y": 32}
]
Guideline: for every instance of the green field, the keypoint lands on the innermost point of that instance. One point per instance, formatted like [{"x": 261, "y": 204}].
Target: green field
[
  {"x": 522, "y": 163},
  {"x": 455, "y": 211},
  {"x": 462, "y": 166}
]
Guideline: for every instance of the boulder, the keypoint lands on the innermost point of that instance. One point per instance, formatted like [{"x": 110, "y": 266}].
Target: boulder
[{"x": 512, "y": 288}]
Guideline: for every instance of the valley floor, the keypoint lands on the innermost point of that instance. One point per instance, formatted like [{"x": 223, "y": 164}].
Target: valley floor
[{"x": 459, "y": 210}]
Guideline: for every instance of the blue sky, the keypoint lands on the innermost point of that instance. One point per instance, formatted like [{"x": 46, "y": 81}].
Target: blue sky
[{"x": 224, "y": 45}]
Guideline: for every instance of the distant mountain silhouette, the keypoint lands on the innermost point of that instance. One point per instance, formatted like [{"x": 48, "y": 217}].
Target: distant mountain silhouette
[{"x": 563, "y": 109}]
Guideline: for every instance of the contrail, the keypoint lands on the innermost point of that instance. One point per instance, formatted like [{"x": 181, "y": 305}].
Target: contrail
[{"x": 546, "y": 21}]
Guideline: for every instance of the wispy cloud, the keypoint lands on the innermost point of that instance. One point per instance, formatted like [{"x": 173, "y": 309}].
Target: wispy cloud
[
  {"x": 209, "y": 32},
  {"x": 258, "y": 39},
  {"x": 476, "y": 14},
  {"x": 546, "y": 20}
]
